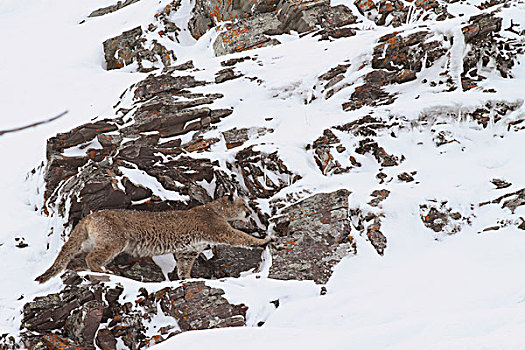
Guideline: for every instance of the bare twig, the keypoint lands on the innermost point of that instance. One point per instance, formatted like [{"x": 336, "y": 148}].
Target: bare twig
[{"x": 33, "y": 124}]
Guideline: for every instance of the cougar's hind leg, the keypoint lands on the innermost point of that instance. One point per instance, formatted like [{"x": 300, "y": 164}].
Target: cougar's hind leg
[
  {"x": 185, "y": 262},
  {"x": 102, "y": 253},
  {"x": 72, "y": 246}
]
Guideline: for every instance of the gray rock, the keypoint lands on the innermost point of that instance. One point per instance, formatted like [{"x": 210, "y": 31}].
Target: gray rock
[
  {"x": 82, "y": 325},
  {"x": 112, "y": 8},
  {"x": 197, "y": 306},
  {"x": 130, "y": 47},
  {"x": 247, "y": 33},
  {"x": 304, "y": 16},
  {"x": 312, "y": 236}
]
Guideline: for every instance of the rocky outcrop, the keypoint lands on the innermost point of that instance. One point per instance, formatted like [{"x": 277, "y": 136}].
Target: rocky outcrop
[
  {"x": 130, "y": 47},
  {"x": 135, "y": 47},
  {"x": 312, "y": 236},
  {"x": 252, "y": 26},
  {"x": 396, "y": 60},
  {"x": 247, "y": 33},
  {"x": 82, "y": 314},
  {"x": 396, "y": 13}
]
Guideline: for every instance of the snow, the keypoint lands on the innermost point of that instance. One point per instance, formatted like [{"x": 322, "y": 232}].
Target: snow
[{"x": 465, "y": 291}]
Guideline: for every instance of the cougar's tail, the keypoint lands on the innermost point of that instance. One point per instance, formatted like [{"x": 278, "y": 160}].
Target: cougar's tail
[{"x": 68, "y": 251}]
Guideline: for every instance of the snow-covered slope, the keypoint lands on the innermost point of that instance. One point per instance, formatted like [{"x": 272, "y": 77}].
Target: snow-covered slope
[{"x": 444, "y": 143}]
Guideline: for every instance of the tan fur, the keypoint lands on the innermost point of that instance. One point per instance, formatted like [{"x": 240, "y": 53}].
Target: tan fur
[{"x": 186, "y": 233}]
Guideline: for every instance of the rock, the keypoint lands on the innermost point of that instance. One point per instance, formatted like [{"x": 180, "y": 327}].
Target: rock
[
  {"x": 304, "y": 16},
  {"x": 129, "y": 47},
  {"x": 50, "y": 342},
  {"x": 139, "y": 269},
  {"x": 405, "y": 177},
  {"x": 82, "y": 324},
  {"x": 247, "y": 33},
  {"x": 440, "y": 218},
  {"x": 164, "y": 83},
  {"x": 369, "y": 146},
  {"x": 112, "y": 8},
  {"x": 106, "y": 340},
  {"x": 226, "y": 262},
  {"x": 237, "y": 137},
  {"x": 197, "y": 306},
  {"x": 499, "y": 183},
  {"x": 8, "y": 342},
  {"x": 395, "y": 13},
  {"x": 378, "y": 196},
  {"x": 207, "y": 14},
  {"x": 370, "y": 95},
  {"x": 263, "y": 174},
  {"x": 50, "y": 312},
  {"x": 225, "y": 75},
  {"x": 488, "y": 44},
  {"x": 323, "y": 148},
  {"x": 192, "y": 306},
  {"x": 312, "y": 236}
]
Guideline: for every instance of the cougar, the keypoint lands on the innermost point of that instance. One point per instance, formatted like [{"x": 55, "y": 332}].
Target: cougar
[{"x": 186, "y": 233}]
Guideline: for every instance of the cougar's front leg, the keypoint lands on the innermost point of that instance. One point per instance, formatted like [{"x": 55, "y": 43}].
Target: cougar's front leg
[
  {"x": 185, "y": 262},
  {"x": 241, "y": 239}
]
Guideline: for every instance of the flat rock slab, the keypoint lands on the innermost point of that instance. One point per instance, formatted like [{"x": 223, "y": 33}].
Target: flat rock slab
[{"x": 312, "y": 236}]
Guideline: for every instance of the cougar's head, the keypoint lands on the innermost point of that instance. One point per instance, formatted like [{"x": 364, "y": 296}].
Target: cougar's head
[{"x": 235, "y": 208}]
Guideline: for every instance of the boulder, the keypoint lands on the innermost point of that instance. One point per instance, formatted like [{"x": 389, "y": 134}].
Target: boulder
[{"x": 312, "y": 236}]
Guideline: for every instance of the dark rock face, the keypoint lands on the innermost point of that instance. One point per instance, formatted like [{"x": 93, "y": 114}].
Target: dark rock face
[
  {"x": 112, "y": 8},
  {"x": 225, "y": 262},
  {"x": 313, "y": 235},
  {"x": 82, "y": 314}
]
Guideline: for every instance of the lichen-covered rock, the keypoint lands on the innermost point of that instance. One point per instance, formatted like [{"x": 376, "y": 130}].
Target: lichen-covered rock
[
  {"x": 83, "y": 313},
  {"x": 197, "y": 306},
  {"x": 82, "y": 324},
  {"x": 247, "y": 33},
  {"x": 254, "y": 29},
  {"x": 207, "y": 14},
  {"x": 130, "y": 47},
  {"x": 312, "y": 236}
]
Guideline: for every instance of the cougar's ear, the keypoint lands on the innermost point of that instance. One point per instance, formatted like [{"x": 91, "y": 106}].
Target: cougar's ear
[{"x": 230, "y": 197}]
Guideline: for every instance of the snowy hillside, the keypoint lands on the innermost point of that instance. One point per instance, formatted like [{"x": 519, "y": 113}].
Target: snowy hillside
[{"x": 379, "y": 141}]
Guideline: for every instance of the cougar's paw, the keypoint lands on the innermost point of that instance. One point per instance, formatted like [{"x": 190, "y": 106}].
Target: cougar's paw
[{"x": 268, "y": 240}]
